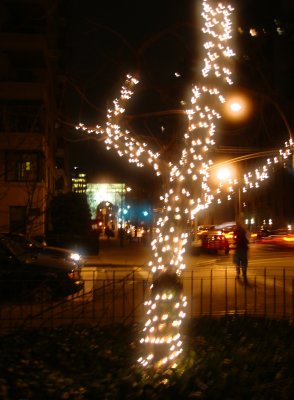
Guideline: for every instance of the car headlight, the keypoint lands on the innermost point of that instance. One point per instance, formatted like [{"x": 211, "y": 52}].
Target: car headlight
[{"x": 75, "y": 256}]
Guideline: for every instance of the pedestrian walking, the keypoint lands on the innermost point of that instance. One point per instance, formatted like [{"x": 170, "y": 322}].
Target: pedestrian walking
[
  {"x": 241, "y": 250},
  {"x": 107, "y": 232}
]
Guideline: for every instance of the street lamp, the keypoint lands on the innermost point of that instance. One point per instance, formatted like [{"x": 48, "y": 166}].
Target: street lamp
[
  {"x": 123, "y": 211},
  {"x": 237, "y": 107},
  {"x": 124, "y": 189}
]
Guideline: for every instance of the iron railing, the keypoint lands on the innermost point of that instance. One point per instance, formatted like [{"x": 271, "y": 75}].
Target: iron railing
[{"x": 115, "y": 295}]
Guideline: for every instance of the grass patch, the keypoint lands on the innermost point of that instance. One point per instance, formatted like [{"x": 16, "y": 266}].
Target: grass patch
[{"x": 225, "y": 358}]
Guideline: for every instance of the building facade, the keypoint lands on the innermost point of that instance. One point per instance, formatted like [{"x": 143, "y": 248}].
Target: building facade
[
  {"x": 79, "y": 182},
  {"x": 28, "y": 104}
]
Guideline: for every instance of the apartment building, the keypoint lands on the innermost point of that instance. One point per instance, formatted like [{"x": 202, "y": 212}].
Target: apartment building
[
  {"x": 78, "y": 181},
  {"x": 28, "y": 102}
]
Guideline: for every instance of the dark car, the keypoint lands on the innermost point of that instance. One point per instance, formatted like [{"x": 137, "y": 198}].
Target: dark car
[
  {"x": 35, "y": 277},
  {"x": 39, "y": 246}
]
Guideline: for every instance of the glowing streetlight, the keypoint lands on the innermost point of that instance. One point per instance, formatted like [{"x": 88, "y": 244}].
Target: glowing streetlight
[
  {"x": 224, "y": 174},
  {"x": 237, "y": 107}
]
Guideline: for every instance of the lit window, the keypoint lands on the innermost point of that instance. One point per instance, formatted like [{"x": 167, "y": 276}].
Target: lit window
[{"x": 22, "y": 166}]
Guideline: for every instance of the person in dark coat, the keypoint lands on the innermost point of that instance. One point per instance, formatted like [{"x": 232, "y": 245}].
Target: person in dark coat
[
  {"x": 241, "y": 250},
  {"x": 108, "y": 232}
]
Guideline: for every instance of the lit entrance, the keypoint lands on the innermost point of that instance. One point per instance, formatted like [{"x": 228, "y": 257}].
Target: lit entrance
[{"x": 106, "y": 202}]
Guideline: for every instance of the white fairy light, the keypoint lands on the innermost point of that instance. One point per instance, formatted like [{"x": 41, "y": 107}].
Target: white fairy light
[{"x": 189, "y": 190}]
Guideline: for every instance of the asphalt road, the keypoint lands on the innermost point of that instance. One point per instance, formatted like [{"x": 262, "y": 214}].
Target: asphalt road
[
  {"x": 117, "y": 281},
  {"x": 209, "y": 281},
  {"x": 112, "y": 253}
]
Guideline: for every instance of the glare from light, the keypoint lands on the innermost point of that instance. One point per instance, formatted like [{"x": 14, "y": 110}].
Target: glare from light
[
  {"x": 235, "y": 106},
  {"x": 75, "y": 256},
  {"x": 224, "y": 174},
  {"x": 253, "y": 32}
]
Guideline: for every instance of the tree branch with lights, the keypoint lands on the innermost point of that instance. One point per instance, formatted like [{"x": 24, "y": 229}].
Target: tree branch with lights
[{"x": 188, "y": 189}]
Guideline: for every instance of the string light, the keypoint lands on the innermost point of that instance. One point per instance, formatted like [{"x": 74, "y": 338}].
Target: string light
[
  {"x": 187, "y": 179},
  {"x": 189, "y": 189},
  {"x": 253, "y": 179}
]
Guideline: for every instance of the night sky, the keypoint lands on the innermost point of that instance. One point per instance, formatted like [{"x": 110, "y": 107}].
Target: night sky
[{"x": 106, "y": 40}]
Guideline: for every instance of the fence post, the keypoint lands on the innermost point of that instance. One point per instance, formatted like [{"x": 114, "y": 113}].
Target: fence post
[
  {"x": 245, "y": 297},
  {"x": 255, "y": 295},
  {"x": 113, "y": 296},
  {"x": 124, "y": 298},
  {"x": 226, "y": 291},
  {"x": 284, "y": 292},
  {"x": 264, "y": 292},
  {"x": 133, "y": 296},
  {"x": 236, "y": 297},
  {"x": 292, "y": 297},
  {"x": 103, "y": 299},
  {"x": 275, "y": 296},
  {"x": 210, "y": 294},
  {"x": 201, "y": 296},
  {"x": 192, "y": 291},
  {"x": 93, "y": 291}
]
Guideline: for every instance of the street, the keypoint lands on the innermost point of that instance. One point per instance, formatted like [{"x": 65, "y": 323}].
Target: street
[
  {"x": 116, "y": 262},
  {"x": 209, "y": 281},
  {"x": 138, "y": 255},
  {"x": 117, "y": 283}
]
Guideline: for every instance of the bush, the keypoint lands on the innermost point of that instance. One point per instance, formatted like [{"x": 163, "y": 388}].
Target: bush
[
  {"x": 70, "y": 214},
  {"x": 225, "y": 358}
]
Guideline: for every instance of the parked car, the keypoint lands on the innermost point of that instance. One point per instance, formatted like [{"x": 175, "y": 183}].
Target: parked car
[
  {"x": 35, "y": 277},
  {"x": 229, "y": 234},
  {"x": 34, "y": 246},
  {"x": 214, "y": 241},
  {"x": 211, "y": 241}
]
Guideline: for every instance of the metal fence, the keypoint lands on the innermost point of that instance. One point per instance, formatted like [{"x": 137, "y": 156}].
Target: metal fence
[{"x": 114, "y": 295}]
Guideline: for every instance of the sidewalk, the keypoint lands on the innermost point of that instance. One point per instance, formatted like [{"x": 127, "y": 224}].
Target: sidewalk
[{"x": 113, "y": 252}]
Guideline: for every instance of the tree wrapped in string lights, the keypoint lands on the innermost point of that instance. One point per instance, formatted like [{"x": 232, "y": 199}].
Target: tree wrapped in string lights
[
  {"x": 188, "y": 189},
  {"x": 187, "y": 180}
]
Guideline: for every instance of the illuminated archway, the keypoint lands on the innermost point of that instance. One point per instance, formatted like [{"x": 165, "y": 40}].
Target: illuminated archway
[
  {"x": 107, "y": 216},
  {"x": 98, "y": 193}
]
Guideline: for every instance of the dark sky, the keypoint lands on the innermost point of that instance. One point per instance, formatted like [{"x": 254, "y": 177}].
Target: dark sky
[{"x": 105, "y": 40}]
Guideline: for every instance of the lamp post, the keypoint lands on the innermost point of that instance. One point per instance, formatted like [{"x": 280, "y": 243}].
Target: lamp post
[
  {"x": 274, "y": 104},
  {"x": 225, "y": 176},
  {"x": 124, "y": 189},
  {"x": 237, "y": 107},
  {"x": 239, "y": 210}
]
